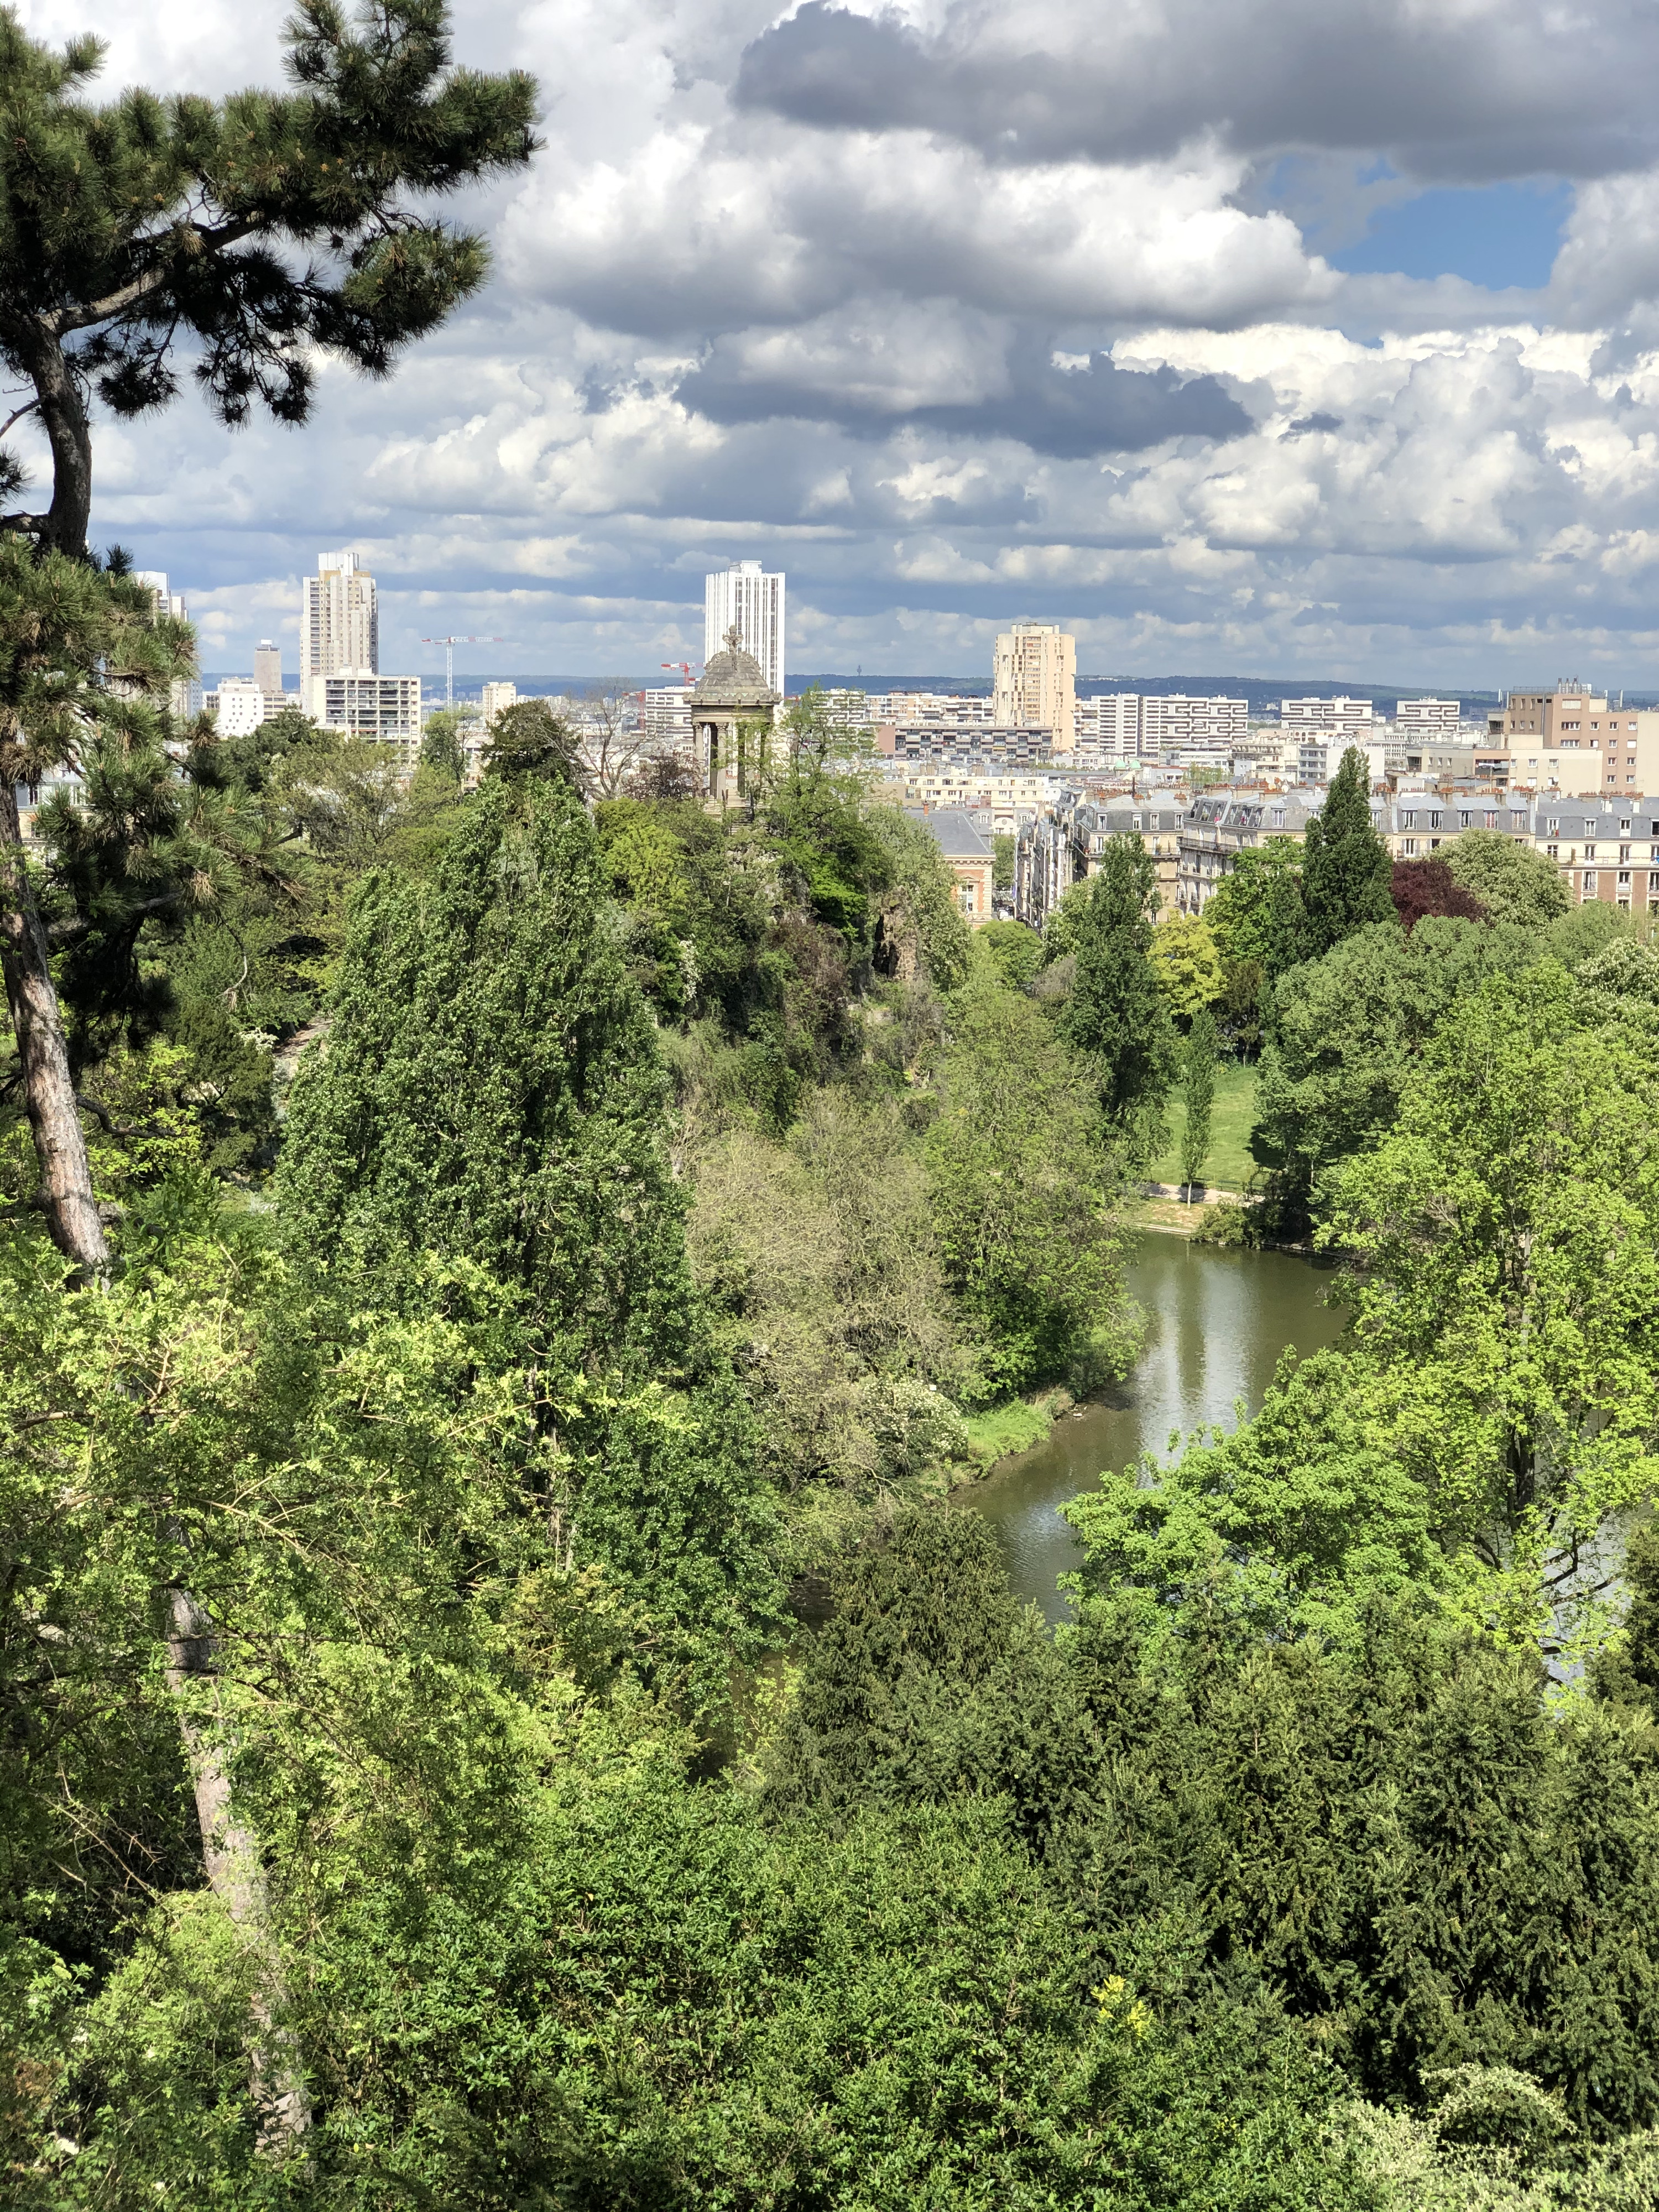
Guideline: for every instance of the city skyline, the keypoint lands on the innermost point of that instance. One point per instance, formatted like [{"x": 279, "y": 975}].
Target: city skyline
[{"x": 1234, "y": 368}]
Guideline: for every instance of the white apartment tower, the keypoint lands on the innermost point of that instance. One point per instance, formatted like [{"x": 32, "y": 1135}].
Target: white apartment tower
[
  {"x": 1034, "y": 682},
  {"x": 268, "y": 671},
  {"x": 746, "y": 596},
  {"x": 339, "y": 621}
]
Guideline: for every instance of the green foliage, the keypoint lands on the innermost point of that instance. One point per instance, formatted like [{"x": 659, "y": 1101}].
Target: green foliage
[
  {"x": 921, "y": 927},
  {"x": 1198, "y": 1072},
  {"x": 1256, "y": 913},
  {"x": 1512, "y": 882},
  {"x": 1003, "y": 849},
  {"x": 1019, "y": 1195},
  {"x": 1505, "y": 1231},
  {"x": 441, "y": 745},
  {"x": 1347, "y": 1030},
  {"x": 1346, "y": 871},
  {"x": 1187, "y": 963},
  {"x": 1016, "y": 949},
  {"x": 529, "y": 741},
  {"x": 1118, "y": 1013}
]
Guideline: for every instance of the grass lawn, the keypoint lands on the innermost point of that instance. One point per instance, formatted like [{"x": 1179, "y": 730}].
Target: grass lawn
[{"x": 1228, "y": 1162}]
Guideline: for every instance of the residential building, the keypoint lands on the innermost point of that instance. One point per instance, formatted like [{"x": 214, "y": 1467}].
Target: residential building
[
  {"x": 1605, "y": 847},
  {"x": 744, "y": 597},
  {"x": 1034, "y": 682},
  {"x": 1175, "y": 727},
  {"x": 952, "y": 710},
  {"x": 1108, "y": 725},
  {"x": 240, "y": 704},
  {"x": 1017, "y": 746},
  {"x": 1354, "y": 718},
  {"x": 1427, "y": 717},
  {"x": 1221, "y": 824},
  {"x": 497, "y": 698},
  {"x": 268, "y": 672},
  {"x": 665, "y": 719},
  {"x": 386, "y": 708},
  {"x": 970, "y": 857},
  {"x": 1066, "y": 841},
  {"x": 1318, "y": 759},
  {"x": 339, "y": 625}
]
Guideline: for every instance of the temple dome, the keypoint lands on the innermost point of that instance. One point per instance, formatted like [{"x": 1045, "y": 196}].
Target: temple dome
[{"x": 733, "y": 678}]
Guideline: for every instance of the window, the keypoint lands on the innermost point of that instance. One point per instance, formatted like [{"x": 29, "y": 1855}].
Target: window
[
  {"x": 1410, "y": 845},
  {"x": 1434, "y": 819},
  {"x": 1555, "y": 830},
  {"x": 1408, "y": 822},
  {"x": 1435, "y": 844},
  {"x": 1554, "y": 851},
  {"x": 1491, "y": 820},
  {"x": 1624, "y": 850},
  {"x": 1624, "y": 879},
  {"x": 1463, "y": 821},
  {"x": 1590, "y": 852},
  {"x": 1587, "y": 888}
]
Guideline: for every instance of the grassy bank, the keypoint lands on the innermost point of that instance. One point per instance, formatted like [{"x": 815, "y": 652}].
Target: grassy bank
[
  {"x": 1014, "y": 1427},
  {"x": 1229, "y": 1163}
]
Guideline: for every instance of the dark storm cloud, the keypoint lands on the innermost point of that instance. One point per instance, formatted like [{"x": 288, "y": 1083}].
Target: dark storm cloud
[
  {"x": 1070, "y": 413},
  {"x": 1516, "y": 91}
]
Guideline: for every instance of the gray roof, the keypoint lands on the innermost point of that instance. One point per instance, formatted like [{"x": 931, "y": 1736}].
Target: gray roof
[
  {"x": 953, "y": 832},
  {"x": 733, "y": 679}
]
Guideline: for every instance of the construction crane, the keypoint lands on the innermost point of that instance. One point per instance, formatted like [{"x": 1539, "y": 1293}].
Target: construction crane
[
  {"x": 449, "y": 645},
  {"x": 684, "y": 667}
]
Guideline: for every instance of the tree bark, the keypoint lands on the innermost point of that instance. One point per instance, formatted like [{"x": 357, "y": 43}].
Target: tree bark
[
  {"x": 64, "y": 415},
  {"x": 236, "y": 1874},
  {"x": 60, "y": 1142}
]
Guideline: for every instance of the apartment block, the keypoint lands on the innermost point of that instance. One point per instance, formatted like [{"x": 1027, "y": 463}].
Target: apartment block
[
  {"x": 968, "y": 855},
  {"x": 339, "y": 622},
  {"x": 241, "y": 703},
  {"x": 1175, "y": 726},
  {"x": 386, "y": 708},
  {"x": 1605, "y": 847},
  {"x": 1220, "y": 825},
  {"x": 268, "y": 671},
  {"x": 1427, "y": 717},
  {"x": 1034, "y": 682},
  {"x": 497, "y": 698},
  {"x": 1317, "y": 719},
  {"x": 1108, "y": 725}
]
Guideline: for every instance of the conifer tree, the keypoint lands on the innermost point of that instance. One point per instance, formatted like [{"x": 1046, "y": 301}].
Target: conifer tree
[
  {"x": 1118, "y": 1011},
  {"x": 1345, "y": 870},
  {"x": 253, "y": 233}
]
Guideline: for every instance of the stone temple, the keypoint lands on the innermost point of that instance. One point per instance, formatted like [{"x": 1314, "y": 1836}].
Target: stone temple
[{"x": 732, "y": 728}]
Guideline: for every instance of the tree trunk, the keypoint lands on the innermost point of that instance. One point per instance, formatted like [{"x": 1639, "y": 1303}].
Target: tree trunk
[
  {"x": 48, "y": 1089},
  {"x": 230, "y": 1853},
  {"x": 63, "y": 416}
]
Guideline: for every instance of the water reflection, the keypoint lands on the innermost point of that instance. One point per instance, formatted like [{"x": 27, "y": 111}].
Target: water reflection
[{"x": 1218, "y": 1321}]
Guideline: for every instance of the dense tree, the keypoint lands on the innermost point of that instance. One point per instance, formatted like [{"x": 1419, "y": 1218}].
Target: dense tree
[
  {"x": 1019, "y": 1188},
  {"x": 1016, "y": 949},
  {"x": 1421, "y": 888},
  {"x": 1347, "y": 1030},
  {"x": 1345, "y": 864},
  {"x": 1512, "y": 883},
  {"x": 921, "y": 927},
  {"x": 1198, "y": 1070},
  {"x": 1118, "y": 1012},
  {"x": 1187, "y": 963},
  {"x": 1255, "y": 912}
]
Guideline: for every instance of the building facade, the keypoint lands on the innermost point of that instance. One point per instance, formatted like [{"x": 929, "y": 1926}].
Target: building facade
[
  {"x": 497, "y": 698},
  {"x": 1427, "y": 717},
  {"x": 1175, "y": 727},
  {"x": 748, "y": 600},
  {"x": 1354, "y": 718},
  {"x": 969, "y": 855},
  {"x": 240, "y": 704},
  {"x": 732, "y": 716},
  {"x": 339, "y": 622},
  {"x": 1034, "y": 682},
  {"x": 1604, "y": 848},
  {"x": 1217, "y": 828},
  {"x": 386, "y": 708},
  {"x": 268, "y": 671}
]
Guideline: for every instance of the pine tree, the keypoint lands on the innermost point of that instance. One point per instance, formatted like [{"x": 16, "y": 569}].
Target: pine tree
[
  {"x": 1118, "y": 1011},
  {"x": 1197, "y": 1069},
  {"x": 256, "y": 231},
  {"x": 1345, "y": 870}
]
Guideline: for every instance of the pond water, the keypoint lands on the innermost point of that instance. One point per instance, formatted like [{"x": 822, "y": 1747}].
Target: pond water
[{"x": 1217, "y": 1321}]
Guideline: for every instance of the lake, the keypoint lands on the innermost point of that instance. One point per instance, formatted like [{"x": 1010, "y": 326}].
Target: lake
[{"x": 1217, "y": 1321}]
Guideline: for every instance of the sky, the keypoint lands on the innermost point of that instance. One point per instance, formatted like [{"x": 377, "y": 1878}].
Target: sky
[{"x": 1253, "y": 336}]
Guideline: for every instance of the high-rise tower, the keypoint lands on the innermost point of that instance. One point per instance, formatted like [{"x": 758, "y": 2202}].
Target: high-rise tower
[
  {"x": 746, "y": 597},
  {"x": 340, "y": 620},
  {"x": 1036, "y": 681}
]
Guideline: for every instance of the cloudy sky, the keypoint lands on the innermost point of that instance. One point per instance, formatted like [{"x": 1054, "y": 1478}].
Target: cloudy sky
[{"x": 1272, "y": 338}]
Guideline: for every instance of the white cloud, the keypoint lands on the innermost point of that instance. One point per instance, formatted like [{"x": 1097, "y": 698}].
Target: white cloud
[{"x": 968, "y": 311}]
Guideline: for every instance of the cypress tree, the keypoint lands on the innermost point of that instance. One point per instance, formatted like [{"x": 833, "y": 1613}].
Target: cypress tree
[
  {"x": 1117, "y": 1011},
  {"x": 1345, "y": 870}
]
